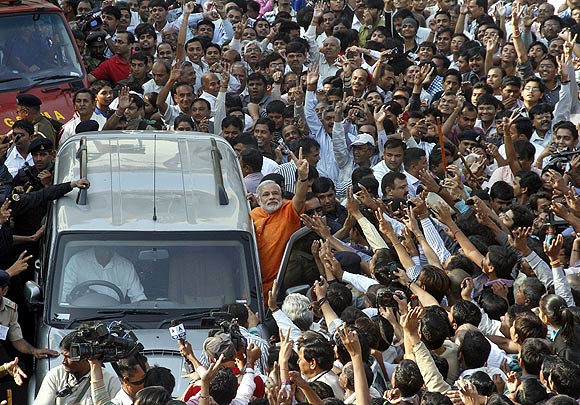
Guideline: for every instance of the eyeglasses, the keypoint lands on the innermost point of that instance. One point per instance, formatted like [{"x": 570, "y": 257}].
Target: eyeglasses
[
  {"x": 169, "y": 36},
  {"x": 138, "y": 382},
  {"x": 253, "y": 50},
  {"x": 532, "y": 88}
]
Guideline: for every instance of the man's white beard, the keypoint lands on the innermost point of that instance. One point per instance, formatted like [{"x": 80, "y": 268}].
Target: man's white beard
[{"x": 271, "y": 207}]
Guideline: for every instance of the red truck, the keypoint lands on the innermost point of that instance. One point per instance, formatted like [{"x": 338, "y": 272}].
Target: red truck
[{"x": 38, "y": 55}]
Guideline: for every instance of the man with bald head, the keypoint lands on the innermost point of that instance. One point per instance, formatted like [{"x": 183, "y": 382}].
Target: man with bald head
[
  {"x": 210, "y": 84},
  {"x": 240, "y": 72},
  {"x": 231, "y": 56},
  {"x": 326, "y": 56},
  {"x": 160, "y": 72}
]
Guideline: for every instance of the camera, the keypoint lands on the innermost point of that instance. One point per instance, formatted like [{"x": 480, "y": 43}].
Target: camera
[
  {"x": 232, "y": 328},
  {"x": 89, "y": 22},
  {"x": 386, "y": 297},
  {"x": 108, "y": 343}
]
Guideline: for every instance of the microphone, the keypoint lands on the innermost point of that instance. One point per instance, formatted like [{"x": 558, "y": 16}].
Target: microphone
[{"x": 179, "y": 333}]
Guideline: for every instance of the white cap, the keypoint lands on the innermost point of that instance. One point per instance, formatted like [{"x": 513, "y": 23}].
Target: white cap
[{"x": 363, "y": 139}]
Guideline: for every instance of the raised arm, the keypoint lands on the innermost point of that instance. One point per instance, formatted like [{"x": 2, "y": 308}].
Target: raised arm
[
  {"x": 469, "y": 250},
  {"x": 182, "y": 36},
  {"x": 166, "y": 90},
  {"x": 301, "y": 184}
]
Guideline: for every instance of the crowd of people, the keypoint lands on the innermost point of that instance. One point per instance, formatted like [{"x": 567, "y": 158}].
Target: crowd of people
[{"x": 431, "y": 147}]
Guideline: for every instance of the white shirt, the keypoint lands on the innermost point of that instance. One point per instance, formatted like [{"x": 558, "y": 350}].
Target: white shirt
[
  {"x": 210, "y": 98},
  {"x": 69, "y": 129},
  {"x": 151, "y": 87},
  {"x": 15, "y": 161},
  {"x": 379, "y": 170},
  {"x": 122, "y": 398},
  {"x": 84, "y": 266},
  {"x": 413, "y": 184},
  {"x": 57, "y": 378}
]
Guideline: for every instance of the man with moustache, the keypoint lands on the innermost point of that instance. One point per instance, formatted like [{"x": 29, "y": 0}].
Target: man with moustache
[
  {"x": 541, "y": 116},
  {"x": 275, "y": 221}
]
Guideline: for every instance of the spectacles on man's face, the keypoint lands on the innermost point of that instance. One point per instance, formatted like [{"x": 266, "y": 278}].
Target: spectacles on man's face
[
  {"x": 138, "y": 382},
  {"x": 317, "y": 210}
]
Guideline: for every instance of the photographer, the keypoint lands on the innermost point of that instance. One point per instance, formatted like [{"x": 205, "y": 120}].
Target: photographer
[
  {"x": 69, "y": 383},
  {"x": 132, "y": 375}
]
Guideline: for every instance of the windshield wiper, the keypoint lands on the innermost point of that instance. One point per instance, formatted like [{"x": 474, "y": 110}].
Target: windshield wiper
[
  {"x": 39, "y": 80},
  {"x": 113, "y": 314},
  {"x": 11, "y": 79},
  {"x": 190, "y": 316},
  {"x": 131, "y": 312}
]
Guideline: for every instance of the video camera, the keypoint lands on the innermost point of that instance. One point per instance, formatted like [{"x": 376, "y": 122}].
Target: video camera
[
  {"x": 89, "y": 22},
  {"x": 231, "y": 328},
  {"x": 107, "y": 343},
  {"x": 560, "y": 159}
]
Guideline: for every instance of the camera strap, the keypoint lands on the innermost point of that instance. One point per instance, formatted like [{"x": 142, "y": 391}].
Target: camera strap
[{"x": 82, "y": 391}]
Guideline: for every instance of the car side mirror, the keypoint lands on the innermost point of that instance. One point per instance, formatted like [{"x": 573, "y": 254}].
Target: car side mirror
[{"x": 32, "y": 294}]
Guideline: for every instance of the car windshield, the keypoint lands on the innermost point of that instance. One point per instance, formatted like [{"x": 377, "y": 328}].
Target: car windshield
[
  {"x": 36, "y": 48},
  {"x": 172, "y": 273}
]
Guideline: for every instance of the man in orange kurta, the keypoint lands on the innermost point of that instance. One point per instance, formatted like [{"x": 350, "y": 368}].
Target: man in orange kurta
[{"x": 275, "y": 221}]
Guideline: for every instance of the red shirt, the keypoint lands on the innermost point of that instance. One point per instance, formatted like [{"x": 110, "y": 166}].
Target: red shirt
[
  {"x": 114, "y": 70},
  {"x": 259, "y": 392}
]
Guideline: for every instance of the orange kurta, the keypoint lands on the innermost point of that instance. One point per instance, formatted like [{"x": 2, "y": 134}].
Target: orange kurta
[{"x": 272, "y": 233}]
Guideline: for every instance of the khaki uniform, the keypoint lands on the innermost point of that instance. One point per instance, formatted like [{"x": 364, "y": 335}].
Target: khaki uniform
[
  {"x": 44, "y": 126},
  {"x": 91, "y": 63},
  {"x": 9, "y": 318}
]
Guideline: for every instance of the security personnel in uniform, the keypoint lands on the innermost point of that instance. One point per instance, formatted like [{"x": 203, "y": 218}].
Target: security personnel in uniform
[
  {"x": 26, "y": 224},
  {"x": 95, "y": 46},
  {"x": 28, "y": 108},
  {"x": 10, "y": 331},
  {"x": 10, "y": 328}
]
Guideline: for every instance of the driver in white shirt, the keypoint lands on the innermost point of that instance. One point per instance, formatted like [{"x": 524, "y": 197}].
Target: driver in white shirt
[{"x": 102, "y": 264}]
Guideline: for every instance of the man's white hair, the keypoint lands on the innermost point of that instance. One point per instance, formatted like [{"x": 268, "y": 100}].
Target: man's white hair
[
  {"x": 252, "y": 42},
  {"x": 295, "y": 306},
  {"x": 335, "y": 40},
  {"x": 265, "y": 183}
]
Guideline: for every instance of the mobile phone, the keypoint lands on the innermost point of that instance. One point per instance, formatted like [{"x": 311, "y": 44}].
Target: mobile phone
[
  {"x": 470, "y": 202},
  {"x": 405, "y": 116}
]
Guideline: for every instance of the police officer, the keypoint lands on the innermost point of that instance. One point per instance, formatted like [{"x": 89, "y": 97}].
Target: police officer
[
  {"x": 28, "y": 109},
  {"x": 95, "y": 45},
  {"x": 10, "y": 328},
  {"x": 34, "y": 178},
  {"x": 27, "y": 223}
]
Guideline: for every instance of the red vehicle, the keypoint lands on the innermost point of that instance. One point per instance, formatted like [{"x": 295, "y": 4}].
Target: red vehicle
[{"x": 38, "y": 55}]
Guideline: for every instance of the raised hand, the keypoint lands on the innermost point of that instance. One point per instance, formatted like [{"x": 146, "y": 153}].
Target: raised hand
[
  {"x": 302, "y": 165},
  {"x": 124, "y": 99},
  {"x": 518, "y": 240},
  {"x": 5, "y": 211},
  {"x": 312, "y": 75},
  {"x": 188, "y": 7},
  {"x": 350, "y": 341},
  {"x": 352, "y": 205},
  {"x": 467, "y": 288},
  {"x": 20, "y": 264},
  {"x": 553, "y": 251},
  {"x": 425, "y": 72}
]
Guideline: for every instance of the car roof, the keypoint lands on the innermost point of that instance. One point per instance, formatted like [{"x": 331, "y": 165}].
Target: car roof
[
  {"x": 14, "y": 6},
  {"x": 126, "y": 190}
]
